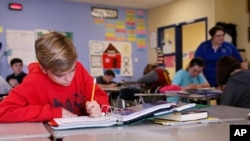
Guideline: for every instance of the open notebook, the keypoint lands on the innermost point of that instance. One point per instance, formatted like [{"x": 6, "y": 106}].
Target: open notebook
[{"x": 113, "y": 117}]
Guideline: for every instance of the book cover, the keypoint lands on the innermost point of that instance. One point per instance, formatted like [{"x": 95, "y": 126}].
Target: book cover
[
  {"x": 175, "y": 108},
  {"x": 187, "y": 115},
  {"x": 176, "y": 123}
]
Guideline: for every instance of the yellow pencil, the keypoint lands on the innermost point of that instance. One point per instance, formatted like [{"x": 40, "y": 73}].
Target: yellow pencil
[{"x": 93, "y": 90}]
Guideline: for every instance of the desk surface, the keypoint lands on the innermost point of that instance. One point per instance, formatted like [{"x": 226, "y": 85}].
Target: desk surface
[
  {"x": 114, "y": 89},
  {"x": 23, "y": 130},
  {"x": 198, "y": 132},
  {"x": 227, "y": 113},
  {"x": 26, "y": 139},
  {"x": 194, "y": 96}
]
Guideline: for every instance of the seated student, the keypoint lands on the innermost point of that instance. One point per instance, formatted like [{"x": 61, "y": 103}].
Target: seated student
[
  {"x": 154, "y": 77},
  {"x": 106, "y": 81},
  {"x": 57, "y": 86},
  {"x": 4, "y": 86},
  {"x": 17, "y": 76},
  {"x": 234, "y": 82},
  {"x": 191, "y": 77}
]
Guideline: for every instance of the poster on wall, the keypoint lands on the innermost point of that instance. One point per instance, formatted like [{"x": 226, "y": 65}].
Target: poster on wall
[
  {"x": 20, "y": 44},
  {"x": 40, "y": 32},
  {"x": 131, "y": 28},
  {"x": 106, "y": 55}
]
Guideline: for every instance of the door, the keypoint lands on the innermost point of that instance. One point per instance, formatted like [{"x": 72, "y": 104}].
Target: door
[
  {"x": 179, "y": 42},
  {"x": 192, "y": 35}
]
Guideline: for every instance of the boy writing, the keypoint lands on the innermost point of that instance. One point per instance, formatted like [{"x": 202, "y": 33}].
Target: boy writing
[{"x": 57, "y": 86}]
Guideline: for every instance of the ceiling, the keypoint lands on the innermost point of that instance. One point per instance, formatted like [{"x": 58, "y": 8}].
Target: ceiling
[{"x": 139, "y": 4}]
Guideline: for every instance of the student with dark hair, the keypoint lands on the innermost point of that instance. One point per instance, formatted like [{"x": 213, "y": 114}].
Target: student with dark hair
[
  {"x": 212, "y": 50},
  {"x": 191, "y": 77},
  {"x": 17, "y": 76},
  {"x": 154, "y": 77},
  {"x": 106, "y": 80},
  {"x": 148, "y": 68},
  {"x": 234, "y": 82}
]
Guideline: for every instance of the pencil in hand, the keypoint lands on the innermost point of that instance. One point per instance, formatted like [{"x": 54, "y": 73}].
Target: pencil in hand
[{"x": 93, "y": 90}]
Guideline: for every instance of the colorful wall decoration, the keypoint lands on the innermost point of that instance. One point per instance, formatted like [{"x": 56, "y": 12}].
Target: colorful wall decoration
[
  {"x": 112, "y": 55},
  {"x": 132, "y": 28}
]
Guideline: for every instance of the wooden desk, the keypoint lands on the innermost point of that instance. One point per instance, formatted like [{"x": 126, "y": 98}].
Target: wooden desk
[
  {"x": 23, "y": 130},
  {"x": 148, "y": 131}
]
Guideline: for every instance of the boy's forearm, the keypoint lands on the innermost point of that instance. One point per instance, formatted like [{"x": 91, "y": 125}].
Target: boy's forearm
[{"x": 40, "y": 113}]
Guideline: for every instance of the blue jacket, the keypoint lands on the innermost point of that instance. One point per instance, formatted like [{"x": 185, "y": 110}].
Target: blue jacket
[{"x": 211, "y": 57}]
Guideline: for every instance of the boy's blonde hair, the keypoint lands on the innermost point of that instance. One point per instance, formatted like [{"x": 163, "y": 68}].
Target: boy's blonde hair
[{"x": 55, "y": 52}]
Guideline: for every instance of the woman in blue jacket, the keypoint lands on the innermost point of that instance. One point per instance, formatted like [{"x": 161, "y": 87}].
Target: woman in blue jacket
[{"x": 212, "y": 50}]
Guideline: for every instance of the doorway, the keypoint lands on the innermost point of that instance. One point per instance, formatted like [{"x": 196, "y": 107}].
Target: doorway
[{"x": 179, "y": 42}]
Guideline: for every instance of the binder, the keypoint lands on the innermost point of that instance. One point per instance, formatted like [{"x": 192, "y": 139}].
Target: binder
[{"x": 113, "y": 116}]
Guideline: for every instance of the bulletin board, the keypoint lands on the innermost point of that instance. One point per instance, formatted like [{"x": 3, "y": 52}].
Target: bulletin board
[{"x": 21, "y": 43}]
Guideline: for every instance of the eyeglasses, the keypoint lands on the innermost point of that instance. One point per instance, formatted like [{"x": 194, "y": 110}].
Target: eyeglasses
[{"x": 220, "y": 35}]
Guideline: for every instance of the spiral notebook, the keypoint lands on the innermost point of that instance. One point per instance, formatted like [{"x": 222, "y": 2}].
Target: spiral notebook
[{"x": 114, "y": 116}]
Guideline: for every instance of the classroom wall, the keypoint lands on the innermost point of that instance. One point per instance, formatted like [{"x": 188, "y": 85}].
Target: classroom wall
[
  {"x": 241, "y": 19},
  {"x": 229, "y": 11},
  {"x": 64, "y": 16},
  {"x": 235, "y": 11},
  {"x": 179, "y": 11}
]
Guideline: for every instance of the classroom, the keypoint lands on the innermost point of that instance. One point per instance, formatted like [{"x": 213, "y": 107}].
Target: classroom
[{"x": 125, "y": 36}]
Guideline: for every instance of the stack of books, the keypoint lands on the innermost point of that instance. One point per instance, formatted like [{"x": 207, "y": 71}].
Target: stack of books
[{"x": 185, "y": 117}]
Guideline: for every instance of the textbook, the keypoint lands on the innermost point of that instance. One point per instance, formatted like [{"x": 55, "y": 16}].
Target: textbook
[
  {"x": 176, "y": 123},
  {"x": 114, "y": 116},
  {"x": 186, "y": 115}
]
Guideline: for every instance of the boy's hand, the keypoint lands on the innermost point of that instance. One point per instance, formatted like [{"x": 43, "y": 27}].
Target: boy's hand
[
  {"x": 93, "y": 109},
  {"x": 66, "y": 113},
  {"x": 13, "y": 82},
  {"x": 112, "y": 85}
]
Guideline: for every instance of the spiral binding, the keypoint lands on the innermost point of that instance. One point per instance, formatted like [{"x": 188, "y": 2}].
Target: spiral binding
[{"x": 114, "y": 111}]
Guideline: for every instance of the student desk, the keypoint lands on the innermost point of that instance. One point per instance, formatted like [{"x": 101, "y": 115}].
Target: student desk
[
  {"x": 114, "y": 89},
  {"x": 227, "y": 112},
  {"x": 189, "y": 96},
  {"x": 109, "y": 91},
  {"x": 23, "y": 130},
  {"x": 27, "y": 139},
  {"x": 147, "y": 130},
  {"x": 116, "y": 92},
  {"x": 196, "y": 132}
]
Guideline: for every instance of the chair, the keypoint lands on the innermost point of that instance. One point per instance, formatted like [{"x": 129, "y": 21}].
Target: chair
[{"x": 127, "y": 95}]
